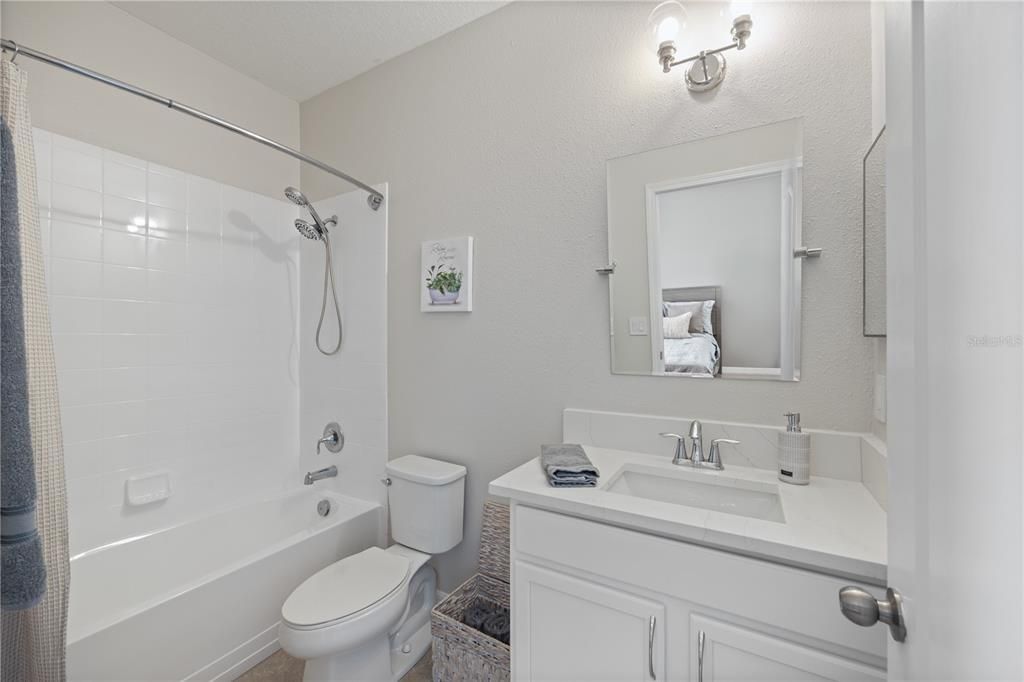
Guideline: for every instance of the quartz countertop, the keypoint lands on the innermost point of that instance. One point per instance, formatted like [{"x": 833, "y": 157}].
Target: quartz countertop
[{"x": 832, "y": 526}]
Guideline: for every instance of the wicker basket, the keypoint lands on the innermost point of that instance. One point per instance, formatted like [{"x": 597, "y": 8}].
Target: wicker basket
[{"x": 462, "y": 653}]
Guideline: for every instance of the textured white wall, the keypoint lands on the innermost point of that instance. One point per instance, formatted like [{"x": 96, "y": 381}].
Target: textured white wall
[
  {"x": 104, "y": 38},
  {"x": 501, "y": 130}
]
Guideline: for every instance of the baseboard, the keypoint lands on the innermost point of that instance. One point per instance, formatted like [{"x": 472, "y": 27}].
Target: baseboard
[
  {"x": 231, "y": 665},
  {"x": 242, "y": 658}
]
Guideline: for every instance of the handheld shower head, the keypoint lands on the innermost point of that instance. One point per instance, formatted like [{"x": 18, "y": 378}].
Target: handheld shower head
[
  {"x": 308, "y": 231},
  {"x": 299, "y": 199},
  {"x": 295, "y": 196},
  {"x": 317, "y": 231}
]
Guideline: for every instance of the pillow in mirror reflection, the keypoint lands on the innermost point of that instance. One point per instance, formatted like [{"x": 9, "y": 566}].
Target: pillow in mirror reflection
[
  {"x": 677, "y": 327},
  {"x": 700, "y": 310}
]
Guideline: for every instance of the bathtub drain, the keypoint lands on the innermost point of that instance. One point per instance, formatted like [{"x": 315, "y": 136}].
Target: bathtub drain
[{"x": 323, "y": 507}]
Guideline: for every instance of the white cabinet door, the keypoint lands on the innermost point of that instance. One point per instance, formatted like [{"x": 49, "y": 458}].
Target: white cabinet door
[
  {"x": 565, "y": 628},
  {"x": 725, "y": 652}
]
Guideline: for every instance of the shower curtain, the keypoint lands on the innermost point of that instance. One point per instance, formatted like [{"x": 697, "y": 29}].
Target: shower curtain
[{"x": 33, "y": 640}]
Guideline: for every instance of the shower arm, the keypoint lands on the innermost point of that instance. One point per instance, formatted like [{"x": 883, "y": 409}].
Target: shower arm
[{"x": 375, "y": 198}]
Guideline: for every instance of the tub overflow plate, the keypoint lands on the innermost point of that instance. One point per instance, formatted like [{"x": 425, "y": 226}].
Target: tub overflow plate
[{"x": 323, "y": 507}]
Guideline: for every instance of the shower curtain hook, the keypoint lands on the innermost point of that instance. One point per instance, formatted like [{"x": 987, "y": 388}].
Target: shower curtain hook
[{"x": 17, "y": 49}]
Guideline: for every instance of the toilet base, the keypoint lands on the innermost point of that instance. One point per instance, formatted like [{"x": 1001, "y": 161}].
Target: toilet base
[
  {"x": 376, "y": 661},
  {"x": 419, "y": 646}
]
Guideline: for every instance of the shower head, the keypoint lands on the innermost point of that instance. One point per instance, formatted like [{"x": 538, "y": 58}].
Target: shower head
[
  {"x": 296, "y": 197},
  {"x": 307, "y": 230},
  {"x": 299, "y": 199}
]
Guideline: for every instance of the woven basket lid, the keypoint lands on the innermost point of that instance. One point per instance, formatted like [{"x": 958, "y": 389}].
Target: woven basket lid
[{"x": 494, "y": 541}]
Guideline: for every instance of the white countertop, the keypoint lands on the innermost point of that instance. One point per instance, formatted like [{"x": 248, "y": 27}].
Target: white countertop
[{"x": 831, "y": 525}]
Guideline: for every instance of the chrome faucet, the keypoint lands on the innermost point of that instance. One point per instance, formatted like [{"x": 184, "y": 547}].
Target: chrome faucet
[
  {"x": 697, "y": 444},
  {"x": 696, "y": 456},
  {"x": 314, "y": 476}
]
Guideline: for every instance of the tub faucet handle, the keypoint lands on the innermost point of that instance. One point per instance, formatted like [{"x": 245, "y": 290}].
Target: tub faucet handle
[{"x": 333, "y": 438}]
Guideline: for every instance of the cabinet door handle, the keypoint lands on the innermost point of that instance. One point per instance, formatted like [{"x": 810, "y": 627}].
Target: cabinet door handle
[
  {"x": 700, "y": 656},
  {"x": 650, "y": 645}
]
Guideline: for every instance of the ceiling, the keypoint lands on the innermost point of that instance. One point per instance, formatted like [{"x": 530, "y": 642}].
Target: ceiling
[{"x": 302, "y": 48}]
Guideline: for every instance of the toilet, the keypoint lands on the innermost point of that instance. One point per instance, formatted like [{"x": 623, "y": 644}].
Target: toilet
[{"x": 367, "y": 616}]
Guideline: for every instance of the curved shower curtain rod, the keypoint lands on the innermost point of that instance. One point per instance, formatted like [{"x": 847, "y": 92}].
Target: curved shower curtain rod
[{"x": 374, "y": 200}]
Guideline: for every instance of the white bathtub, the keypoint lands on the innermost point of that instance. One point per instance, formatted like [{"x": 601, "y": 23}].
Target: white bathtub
[{"x": 201, "y": 601}]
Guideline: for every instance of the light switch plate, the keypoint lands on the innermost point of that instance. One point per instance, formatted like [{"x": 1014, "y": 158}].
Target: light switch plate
[{"x": 638, "y": 326}]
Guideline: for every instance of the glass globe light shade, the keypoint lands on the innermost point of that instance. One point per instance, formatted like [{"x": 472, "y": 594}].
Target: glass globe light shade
[{"x": 665, "y": 23}]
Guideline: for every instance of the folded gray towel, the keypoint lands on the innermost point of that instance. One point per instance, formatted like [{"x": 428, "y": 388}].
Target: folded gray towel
[
  {"x": 475, "y": 614},
  {"x": 22, "y": 569},
  {"x": 497, "y": 626},
  {"x": 567, "y": 465}
]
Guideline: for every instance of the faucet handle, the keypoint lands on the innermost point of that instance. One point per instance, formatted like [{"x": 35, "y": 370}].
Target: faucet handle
[
  {"x": 333, "y": 438},
  {"x": 680, "y": 455},
  {"x": 714, "y": 460}
]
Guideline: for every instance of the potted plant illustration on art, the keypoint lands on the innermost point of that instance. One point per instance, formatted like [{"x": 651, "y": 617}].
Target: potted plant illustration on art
[
  {"x": 444, "y": 284},
  {"x": 447, "y": 275}
]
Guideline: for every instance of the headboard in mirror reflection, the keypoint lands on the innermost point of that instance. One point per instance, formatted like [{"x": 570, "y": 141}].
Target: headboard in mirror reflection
[
  {"x": 696, "y": 351},
  {"x": 874, "y": 237},
  {"x": 694, "y": 222}
]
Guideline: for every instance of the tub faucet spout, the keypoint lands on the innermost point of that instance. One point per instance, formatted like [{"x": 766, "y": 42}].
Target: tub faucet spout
[{"x": 314, "y": 476}]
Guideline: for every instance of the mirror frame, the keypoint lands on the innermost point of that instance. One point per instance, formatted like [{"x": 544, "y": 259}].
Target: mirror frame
[{"x": 864, "y": 240}]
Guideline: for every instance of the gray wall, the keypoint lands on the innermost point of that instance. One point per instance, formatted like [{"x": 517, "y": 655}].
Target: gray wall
[
  {"x": 501, "y": 130},
  {"x": 104, "y": 38}
]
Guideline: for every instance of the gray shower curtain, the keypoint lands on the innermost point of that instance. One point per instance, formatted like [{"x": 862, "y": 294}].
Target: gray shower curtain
[{"x": 33, "y": 640}]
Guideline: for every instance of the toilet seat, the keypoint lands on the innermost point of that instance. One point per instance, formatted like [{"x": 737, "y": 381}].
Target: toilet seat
[{"x": 346, "y": 588}]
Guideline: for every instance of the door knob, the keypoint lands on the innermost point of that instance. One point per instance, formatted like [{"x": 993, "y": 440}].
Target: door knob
[{"x": 860, "y": 607}]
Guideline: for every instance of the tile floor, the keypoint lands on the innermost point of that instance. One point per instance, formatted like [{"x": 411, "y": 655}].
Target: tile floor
[{"x": 283, "y": 668}]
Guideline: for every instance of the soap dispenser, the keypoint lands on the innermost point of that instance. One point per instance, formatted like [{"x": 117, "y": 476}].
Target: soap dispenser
[{"x": 794, "y": 452}]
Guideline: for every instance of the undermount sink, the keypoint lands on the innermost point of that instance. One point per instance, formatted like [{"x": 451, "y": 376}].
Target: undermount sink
[{"x": 691, "y": 489}]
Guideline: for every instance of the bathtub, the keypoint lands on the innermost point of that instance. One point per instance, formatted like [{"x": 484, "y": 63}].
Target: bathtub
[{"x": 201, "y": 600}]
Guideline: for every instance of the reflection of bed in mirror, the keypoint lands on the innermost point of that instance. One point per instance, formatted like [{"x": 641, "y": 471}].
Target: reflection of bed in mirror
[{"x": 699, "y": 353}]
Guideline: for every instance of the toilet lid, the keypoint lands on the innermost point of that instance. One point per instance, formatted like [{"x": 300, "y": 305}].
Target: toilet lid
[{"x": 345, "y": 587}]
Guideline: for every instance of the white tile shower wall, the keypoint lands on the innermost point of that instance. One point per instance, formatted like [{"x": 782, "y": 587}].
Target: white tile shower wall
[
  {"x": 349, "y": 387},
  {"x": 174, "y": 303}
]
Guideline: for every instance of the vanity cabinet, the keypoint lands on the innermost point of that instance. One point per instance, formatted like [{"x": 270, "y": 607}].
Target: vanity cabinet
[
  {"x": 725, "y": 652},
  {"x": 580, "y": 630},
  {"x": 594, "y": 601}
]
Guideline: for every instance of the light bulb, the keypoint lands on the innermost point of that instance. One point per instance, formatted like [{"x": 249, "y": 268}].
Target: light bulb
[
  {"x": 665, "y": 23},
  {"x": 741, "y": 22},
  {"x": 739, "y": 8}
]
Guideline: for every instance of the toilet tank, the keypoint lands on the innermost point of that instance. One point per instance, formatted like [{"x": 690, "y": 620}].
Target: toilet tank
[{"x": 426, "y": 501}]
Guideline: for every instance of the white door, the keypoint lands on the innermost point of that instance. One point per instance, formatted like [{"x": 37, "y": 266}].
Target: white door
[
  {"x": 724, "y": 652},
  {"x": 579, "y": 630},
  {"x": 954, "y": 209}
]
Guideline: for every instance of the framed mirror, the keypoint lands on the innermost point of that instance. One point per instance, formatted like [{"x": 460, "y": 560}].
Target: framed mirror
[
  {"x": 704, "y": 234},
  {"x": 874, "y": 237}
]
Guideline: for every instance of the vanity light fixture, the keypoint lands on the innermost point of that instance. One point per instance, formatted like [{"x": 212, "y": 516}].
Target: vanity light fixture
[{"x": 707, "y": 68}]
